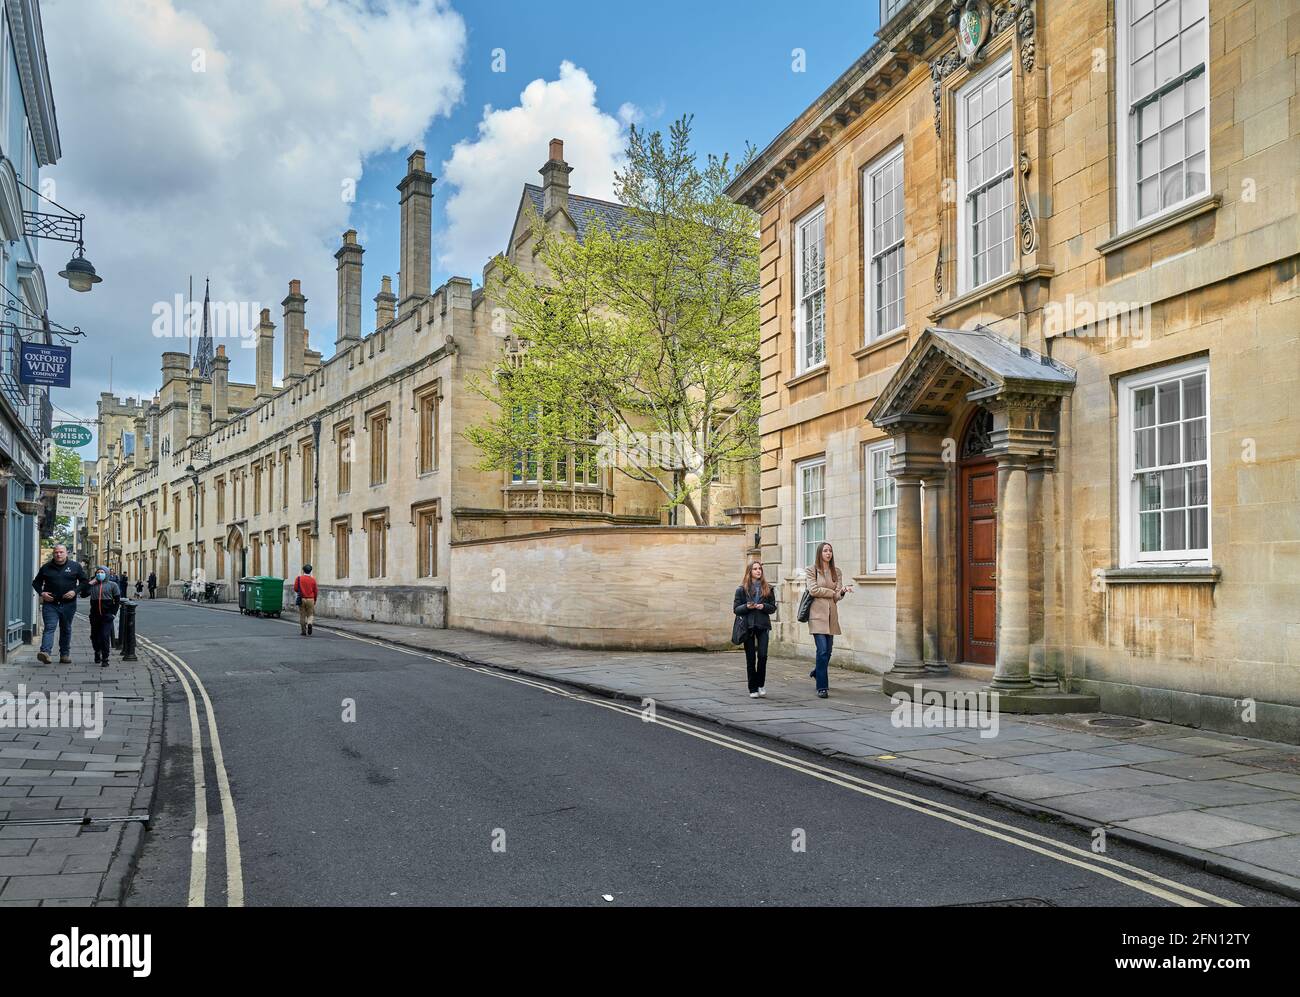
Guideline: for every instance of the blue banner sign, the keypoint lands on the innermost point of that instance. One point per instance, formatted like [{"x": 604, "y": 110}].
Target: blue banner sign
[{"x": 47, "y": 365}]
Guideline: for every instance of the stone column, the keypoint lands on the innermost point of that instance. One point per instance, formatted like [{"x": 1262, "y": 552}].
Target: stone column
[
  {"x": 1011, "y": 671},
  {"x": 909, "y": 612},
  {"x": 1042, "y": 560},
  {"x": 931, "y": 553}
]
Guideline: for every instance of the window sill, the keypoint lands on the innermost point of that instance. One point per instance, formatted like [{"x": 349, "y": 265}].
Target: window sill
[
  {"x": 876, "y": 579},
  {"x": 808, "y": 375},
  {"x": 1172, "y": 574},
  {"x": 989, "y": 288},
  {"x": 899, "y": 335},
  {"x": 1143, "y": 230}
]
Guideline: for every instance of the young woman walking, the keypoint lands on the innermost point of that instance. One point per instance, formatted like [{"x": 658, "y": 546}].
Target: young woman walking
[
  {"x": 827, "y": 588},
  {"x": 755, "y": 603}
]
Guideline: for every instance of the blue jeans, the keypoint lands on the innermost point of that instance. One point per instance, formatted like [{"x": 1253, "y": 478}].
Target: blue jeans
[
  {"x": 58, "y": 614},
  {"x": 824, "y": 644}
]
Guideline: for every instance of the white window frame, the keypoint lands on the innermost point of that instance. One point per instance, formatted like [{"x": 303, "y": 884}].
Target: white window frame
[
  {"x": 965, "y": 261},
  {"x": 1129, "y": 535},
  {"x": 800, "y": 519},
  {"x": 874, "y": 564},
  {"x": 1126, "y": 148},
  {"x": 800, "y": 224},
  {"x": 892, "y": 157}
]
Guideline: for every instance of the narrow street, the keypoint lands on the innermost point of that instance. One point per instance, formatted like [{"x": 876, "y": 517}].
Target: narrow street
[{"x": 461, "y": 785}]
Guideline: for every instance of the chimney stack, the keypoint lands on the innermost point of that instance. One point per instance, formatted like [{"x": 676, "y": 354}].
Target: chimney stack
[
  {"x": 349, "y": 270},
  {"x": 152, "y": 417},
  {"x": 138, "y": 458},
  {"x": 220, "y": 386},
  {"x": 198, "y": 426},
  {"x": 265, "y": 355},
  {"x": 311, "y": 359},
  {"x": 417, "y": 229},
  {"x": 295, "y": 319},
  {"x": 385, "y": 303},
  {"x": 555, "y": 180}
]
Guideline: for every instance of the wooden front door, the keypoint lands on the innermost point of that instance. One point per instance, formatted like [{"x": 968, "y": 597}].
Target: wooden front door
[{"x": 979, "y": 534}]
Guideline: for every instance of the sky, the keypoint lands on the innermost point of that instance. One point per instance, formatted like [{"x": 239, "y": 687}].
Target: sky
[{"x": 236, "y": 140}]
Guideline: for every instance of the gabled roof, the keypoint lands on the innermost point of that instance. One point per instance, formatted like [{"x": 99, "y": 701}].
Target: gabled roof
[
  {"x": 973, "y": 363},
  {"x": 582, "y": 209}
]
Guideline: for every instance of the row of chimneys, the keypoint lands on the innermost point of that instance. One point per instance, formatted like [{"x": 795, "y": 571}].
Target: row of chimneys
[{"x": 416, "y": 189}]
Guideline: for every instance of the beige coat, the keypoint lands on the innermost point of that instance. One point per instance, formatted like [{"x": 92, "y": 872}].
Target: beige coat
[{"x": 824, "y": 617}]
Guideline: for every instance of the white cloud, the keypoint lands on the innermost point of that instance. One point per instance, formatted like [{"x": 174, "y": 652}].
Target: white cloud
[
  {"x": 487, "y": 172},
  {"x": 237, "y": 171}
]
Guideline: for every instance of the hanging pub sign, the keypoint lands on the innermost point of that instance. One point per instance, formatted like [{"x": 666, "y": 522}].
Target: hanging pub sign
[{"x": 41, "y": 363}]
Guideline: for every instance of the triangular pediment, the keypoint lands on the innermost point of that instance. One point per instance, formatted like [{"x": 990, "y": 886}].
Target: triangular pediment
[{"x": 947, "y": 367}]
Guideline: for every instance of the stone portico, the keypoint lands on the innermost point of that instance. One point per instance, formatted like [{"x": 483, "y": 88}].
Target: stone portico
[{"x": 974, "y": 420}]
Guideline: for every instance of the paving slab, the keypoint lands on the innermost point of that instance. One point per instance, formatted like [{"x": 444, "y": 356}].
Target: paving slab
[
  {"x": 1200, "y": 767},
  {"x": 1284, "y": 815},
  {"x": 1111, "y": 805},
  {"x": 1200, "y": 829},
  {"x": 1280, "y": 854}
]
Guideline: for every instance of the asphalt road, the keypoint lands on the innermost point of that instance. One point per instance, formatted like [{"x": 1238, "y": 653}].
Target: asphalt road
[{"x": 461, "y": 786}]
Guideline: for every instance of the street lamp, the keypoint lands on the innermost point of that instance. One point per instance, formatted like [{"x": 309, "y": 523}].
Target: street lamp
[
  {"x": 66, "y": 227},
  {"x": 194, "y": 554},
  {"x": 80, "y": 272}
]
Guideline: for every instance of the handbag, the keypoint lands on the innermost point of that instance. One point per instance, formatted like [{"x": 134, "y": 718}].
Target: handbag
[
  {"x": 739, "y": 630},
  {"x": 805, "y": 607}
]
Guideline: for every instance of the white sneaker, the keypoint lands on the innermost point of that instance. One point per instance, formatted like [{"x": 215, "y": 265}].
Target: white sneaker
[
  {"x": 753, "y": 695},
  {"x": 762, "y": 692}
]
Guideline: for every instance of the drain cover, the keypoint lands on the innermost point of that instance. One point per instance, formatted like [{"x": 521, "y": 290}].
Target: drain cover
[{"x": 1115, "y": 722}]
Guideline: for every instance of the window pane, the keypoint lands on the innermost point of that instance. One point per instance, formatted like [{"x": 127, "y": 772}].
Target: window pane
[
  {"x": 1175, "y": 527},
  {"x": 1198, "y": 529},
  {"x": 1149, "y": 527},
  {"x": 1168, "y": 401},
  {"x": 1194, "y": 439}
]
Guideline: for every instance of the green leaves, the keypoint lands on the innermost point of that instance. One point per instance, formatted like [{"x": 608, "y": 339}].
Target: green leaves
[{"x": 652, "y": 328}]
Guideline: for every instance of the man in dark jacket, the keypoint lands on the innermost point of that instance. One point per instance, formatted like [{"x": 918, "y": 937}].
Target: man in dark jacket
[
  {"x": 153, "y": 584},
  {"x": 58, "y": 583},
  {"x": 105, "y": 597}
]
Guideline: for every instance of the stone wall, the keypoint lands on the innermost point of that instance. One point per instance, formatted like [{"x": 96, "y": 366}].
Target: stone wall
[{"x": 640, "y": 588}]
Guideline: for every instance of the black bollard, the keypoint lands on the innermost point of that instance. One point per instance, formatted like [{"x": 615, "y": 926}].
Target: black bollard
[{"x": 127, "y": 627}]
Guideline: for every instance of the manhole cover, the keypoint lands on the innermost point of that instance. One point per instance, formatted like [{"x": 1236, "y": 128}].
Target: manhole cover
[{"x": 1116, "y": 722}]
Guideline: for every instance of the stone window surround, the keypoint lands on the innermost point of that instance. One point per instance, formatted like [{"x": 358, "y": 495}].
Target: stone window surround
[
  {"x": 993, "y": 66},
  {"x": 796, "y": 284},
  {"x": 1157, "y": 568},
  {"x": 429, "y": 390},
  {"x": 1125, "y": 223},
  {"x": 799, "y": 468},
  {"x": 871, "y": 335},
  {"x": 869, "y": 450}
]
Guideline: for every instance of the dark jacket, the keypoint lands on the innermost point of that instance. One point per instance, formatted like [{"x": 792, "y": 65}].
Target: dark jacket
[
  {"x": 755, "y": 619},
  {"x": 104, "y": 597},
  {"x": 60, "y": 579},
  {"x": 153, "y": 580}
]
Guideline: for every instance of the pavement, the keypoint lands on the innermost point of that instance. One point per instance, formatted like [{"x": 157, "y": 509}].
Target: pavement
[
  {"x": 1229, "y": 805},
  {"x": 63, "y": 790}
]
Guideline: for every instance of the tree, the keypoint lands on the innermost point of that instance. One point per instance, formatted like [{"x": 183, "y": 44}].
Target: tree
[
  {"x": 65, "y": 468},
  {"x": 641, "y": 343}
]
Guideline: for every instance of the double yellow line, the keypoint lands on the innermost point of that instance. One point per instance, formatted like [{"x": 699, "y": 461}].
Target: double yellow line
[
  {"x": 1168, "y": 890},
  {"x": 230, "y": 823}
]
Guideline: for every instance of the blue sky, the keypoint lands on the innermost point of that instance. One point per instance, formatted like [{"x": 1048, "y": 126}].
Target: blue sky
[
  {"x": 232, "y": 168},
  {"x": 727, "y": 64}
]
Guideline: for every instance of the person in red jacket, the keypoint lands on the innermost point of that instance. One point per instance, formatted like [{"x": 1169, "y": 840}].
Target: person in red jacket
[{"x": 305, "y": 587}]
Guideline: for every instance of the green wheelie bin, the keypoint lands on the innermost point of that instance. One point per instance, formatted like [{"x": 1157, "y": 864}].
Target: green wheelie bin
[{"x": 265, "y": 595}]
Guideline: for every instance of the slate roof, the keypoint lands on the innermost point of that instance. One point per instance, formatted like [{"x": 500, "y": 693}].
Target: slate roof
[
  {"x": 583, "y": 209},
  {"x": 1004, "y": 358}
]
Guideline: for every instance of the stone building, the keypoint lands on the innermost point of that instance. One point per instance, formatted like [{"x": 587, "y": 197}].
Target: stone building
[
  {"x": 1030, "y": 308},
  {"x": 356, "y": 463}
]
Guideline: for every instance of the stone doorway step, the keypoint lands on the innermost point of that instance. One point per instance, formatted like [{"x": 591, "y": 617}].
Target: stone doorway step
[{"x": 1029, "y": 702}]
